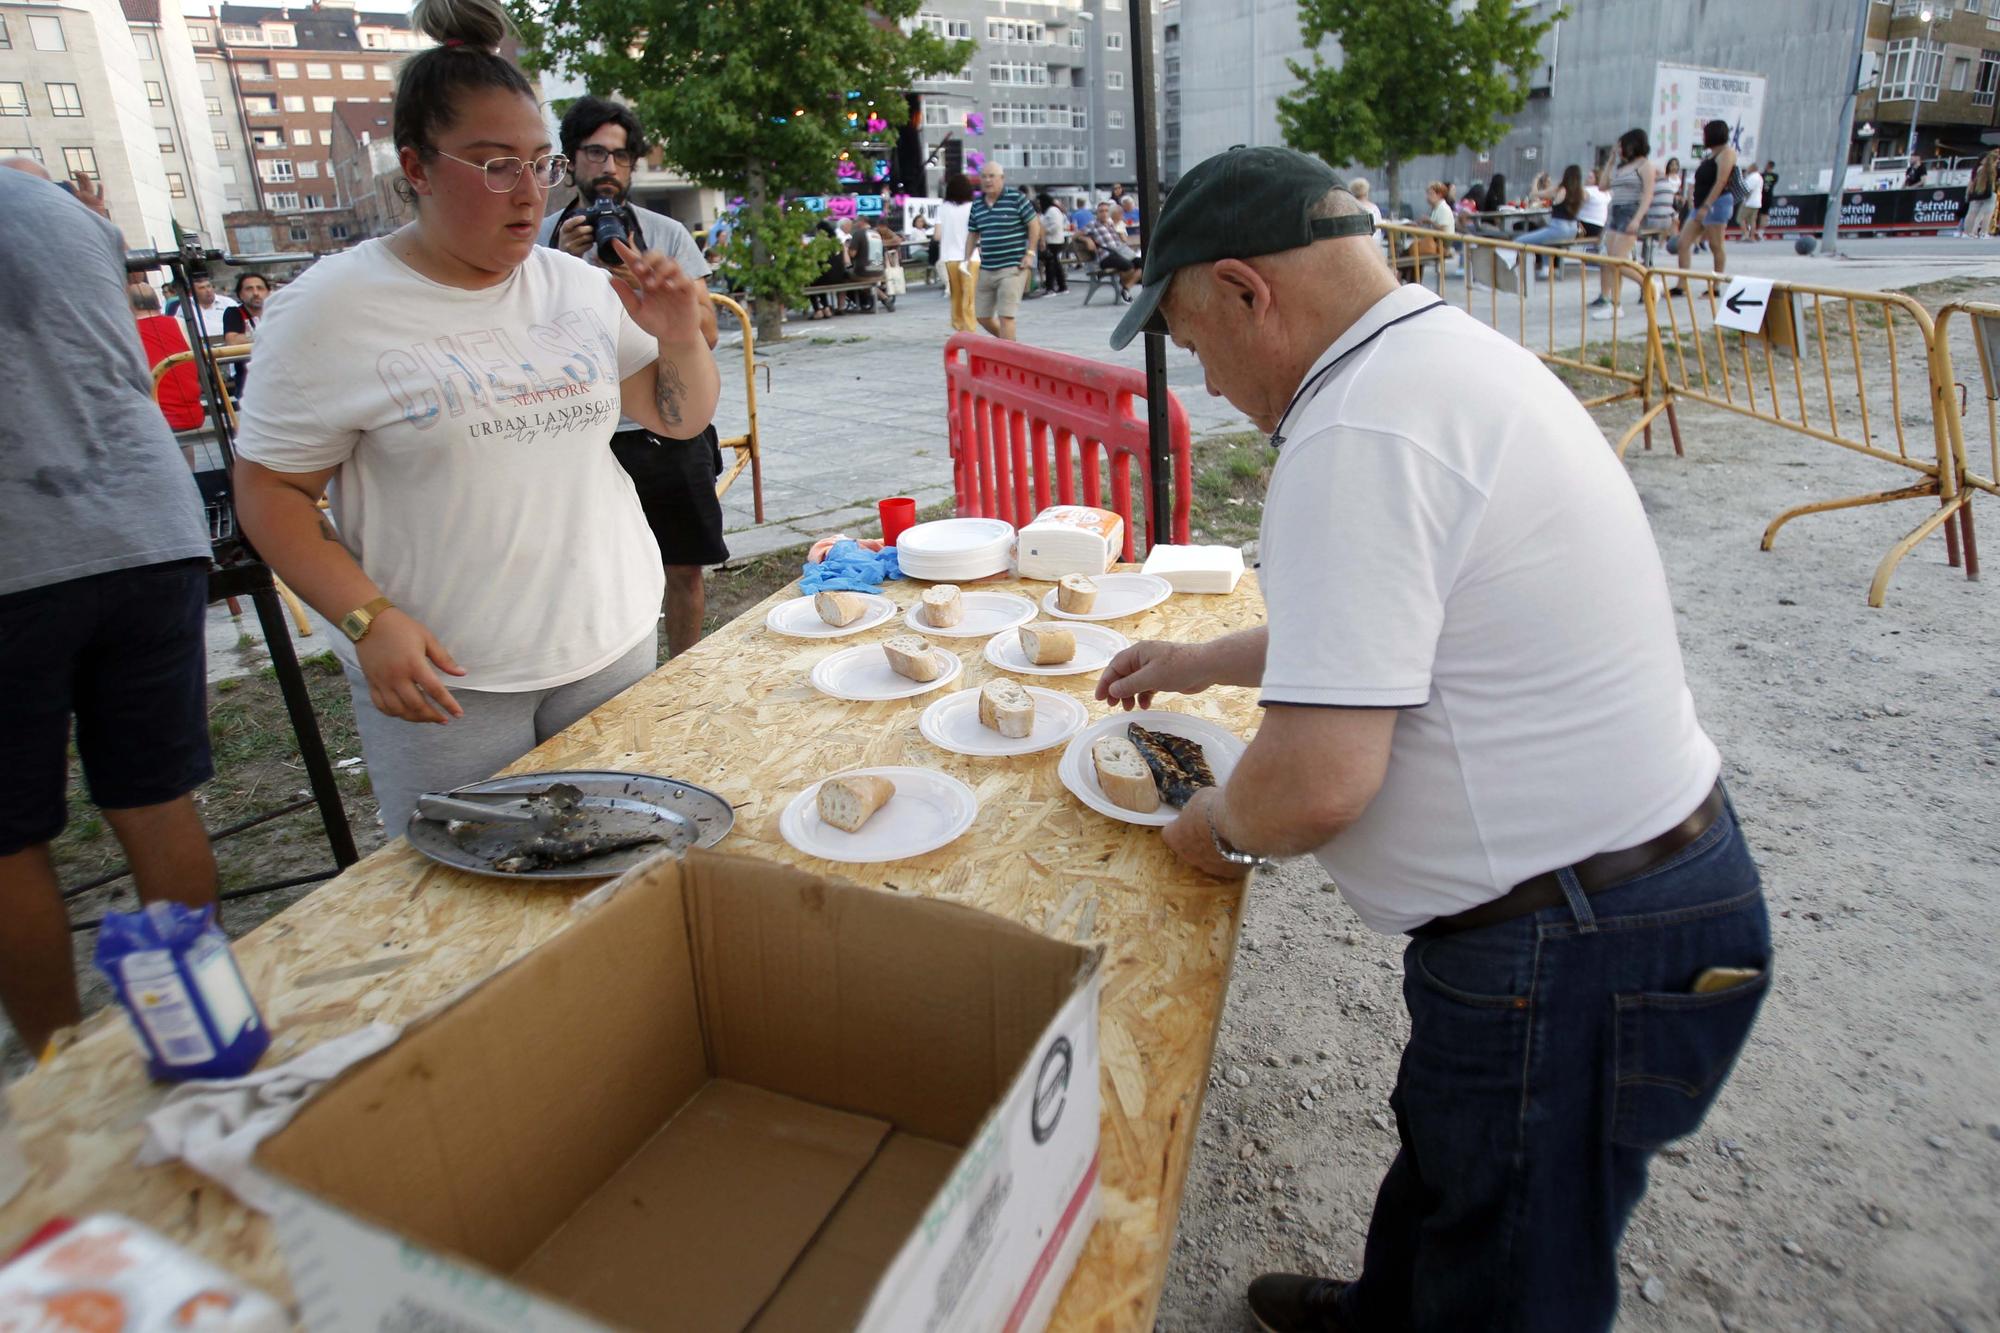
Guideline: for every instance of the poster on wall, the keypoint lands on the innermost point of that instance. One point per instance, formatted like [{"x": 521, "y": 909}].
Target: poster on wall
[{"x": 1686, "y": 97}]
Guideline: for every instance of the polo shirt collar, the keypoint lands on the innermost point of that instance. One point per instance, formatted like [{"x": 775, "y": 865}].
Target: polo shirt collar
[{"x": 1405, "y": 300}]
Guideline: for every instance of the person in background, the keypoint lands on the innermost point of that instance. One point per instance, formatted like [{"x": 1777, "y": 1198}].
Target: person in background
[
  {"x": 104, "y": 558},
  {"x": 161, "y": 336},
  {"x": 1979, "y": 195},
  {"x": 210, "y": 306},
  {"x": 239, "y": 324},
  {"x": 1115, "y": 252},
  {"x": 1770, "y": 197},
  {"x": 1595, "y": 210},
  {"x": 894, "y": 283},
  {"x": 1753, "y": 204},
  {"x": 1914, "y": 177},
  {"x": 1128, "y": 205},
  {"x": 1081, "y": 217},
  {"x": 1544, "y": 186},
  {"x": 1003, "y": 229},
  {"x": 864, "y": 259},
  {"x": 1358, "y": 187},
  {"x": 675, "y": 478},
  {"x": 1565, "y": 205},
  {"x": 453, "y": 388},
  {"x": 1437, "y": 199},
  {"x": 1639, "y": 203},
  {"x": 1495, "y": 197},
  {"x": 1055, "y": 241},
  {"x": 1714, "y": 204},
  {"x": 1675, "y": 186},
  {"x": 961, "y": 268},
  {"x": 832, "y": 273}
]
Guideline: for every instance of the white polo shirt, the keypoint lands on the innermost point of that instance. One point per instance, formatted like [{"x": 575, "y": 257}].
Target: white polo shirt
[{"x": 1448, "y": 534}]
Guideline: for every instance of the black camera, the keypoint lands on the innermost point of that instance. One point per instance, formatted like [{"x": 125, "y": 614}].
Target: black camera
[{"x": 607, "y": 224}]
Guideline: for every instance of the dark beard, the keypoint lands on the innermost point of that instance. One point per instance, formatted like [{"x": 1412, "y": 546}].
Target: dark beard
[{"x": 595, "y": 190}]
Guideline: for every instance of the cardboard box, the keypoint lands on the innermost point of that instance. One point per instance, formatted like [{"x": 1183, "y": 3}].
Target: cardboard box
[{"x": 733, "y": 1096}]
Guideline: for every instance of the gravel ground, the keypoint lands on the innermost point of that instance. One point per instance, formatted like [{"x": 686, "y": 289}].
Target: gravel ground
[{"x": 1849, "y": 1178}]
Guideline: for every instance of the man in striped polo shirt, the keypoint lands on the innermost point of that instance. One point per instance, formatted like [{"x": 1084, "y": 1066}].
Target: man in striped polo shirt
[{"x": 1008, "y": 235}]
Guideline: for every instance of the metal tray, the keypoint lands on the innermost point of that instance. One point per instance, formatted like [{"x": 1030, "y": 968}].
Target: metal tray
[{"x": 705, "y": 819}]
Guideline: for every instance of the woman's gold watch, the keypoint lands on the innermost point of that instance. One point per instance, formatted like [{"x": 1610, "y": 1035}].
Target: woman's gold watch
[{"x": 355, "y": 623}]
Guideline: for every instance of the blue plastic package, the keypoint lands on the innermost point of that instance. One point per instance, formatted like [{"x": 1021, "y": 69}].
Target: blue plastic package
[
  {"x": 180, "y": 985},
  {"x": 850, "y": 567}
]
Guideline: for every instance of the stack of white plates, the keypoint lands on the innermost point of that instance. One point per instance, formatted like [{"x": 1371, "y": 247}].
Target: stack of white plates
[{"x": 956, "y": 550}]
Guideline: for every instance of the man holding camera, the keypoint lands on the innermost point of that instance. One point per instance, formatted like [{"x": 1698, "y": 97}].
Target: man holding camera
[{"x": 675, "y": 478}]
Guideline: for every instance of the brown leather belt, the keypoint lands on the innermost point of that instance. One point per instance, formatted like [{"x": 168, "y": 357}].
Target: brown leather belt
[{"x": 1603, "y": 871}]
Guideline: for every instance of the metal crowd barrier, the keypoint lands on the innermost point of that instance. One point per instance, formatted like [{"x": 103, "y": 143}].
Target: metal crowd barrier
[{"x": 1981, "y": 339}]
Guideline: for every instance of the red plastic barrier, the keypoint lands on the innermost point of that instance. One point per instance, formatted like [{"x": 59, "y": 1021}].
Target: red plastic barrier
[{"x": 1022, "y": 415}]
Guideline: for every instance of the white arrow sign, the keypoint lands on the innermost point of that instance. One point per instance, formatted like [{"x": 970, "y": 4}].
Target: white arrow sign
[{"x": 1744, "y": 303}]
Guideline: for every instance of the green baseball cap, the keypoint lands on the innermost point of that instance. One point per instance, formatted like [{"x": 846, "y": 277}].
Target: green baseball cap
[{"x": 1235, "y": 205}]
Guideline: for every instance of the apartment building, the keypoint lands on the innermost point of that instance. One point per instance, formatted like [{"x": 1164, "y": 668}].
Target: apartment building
[
  {"x": 1930, "y": 78},
  {"x": 196, "y": 181},
  {"x": 366, "y": 169}
]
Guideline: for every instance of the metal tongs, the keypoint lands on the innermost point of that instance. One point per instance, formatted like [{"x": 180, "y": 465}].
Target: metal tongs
[{"x": 545, "y": 809}]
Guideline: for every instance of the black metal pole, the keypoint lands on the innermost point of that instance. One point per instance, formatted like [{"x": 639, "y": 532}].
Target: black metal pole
[
  {"x": 298, "y": 703},
  {"x": 1160, "y": 503}
]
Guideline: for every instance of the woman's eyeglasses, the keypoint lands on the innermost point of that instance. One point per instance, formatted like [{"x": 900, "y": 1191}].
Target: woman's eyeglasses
[
  {"x": 596, "y": 155},
  {"x": 502, "y": 174}
]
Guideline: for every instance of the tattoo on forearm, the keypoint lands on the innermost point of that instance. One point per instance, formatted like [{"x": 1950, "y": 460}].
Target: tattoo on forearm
[
  {"x": 668, "y": 390},
  {"x": 326, "y": 529}
]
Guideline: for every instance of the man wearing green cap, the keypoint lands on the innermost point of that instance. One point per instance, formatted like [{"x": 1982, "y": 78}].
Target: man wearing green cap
[{"x": 1479, "y": 724}]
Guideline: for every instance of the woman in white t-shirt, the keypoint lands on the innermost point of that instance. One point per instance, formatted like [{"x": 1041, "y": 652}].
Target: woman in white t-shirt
[
  {"x": 954, "y": 224},
  {"x": 453, "y": 388}
]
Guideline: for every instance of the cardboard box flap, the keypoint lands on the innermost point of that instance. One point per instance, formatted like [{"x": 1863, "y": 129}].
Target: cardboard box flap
[
  {"x": 830, "y": 1286},
  {"x": 492, "y": 1121},
  {"x": 698, "y": 1229},
  {"x": 917, "y": 1011}
]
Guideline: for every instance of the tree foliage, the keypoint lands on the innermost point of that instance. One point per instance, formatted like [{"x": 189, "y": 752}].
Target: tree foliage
[
  {"x": 757, "y": 98},
  {"x": 1414, "y": 78}
]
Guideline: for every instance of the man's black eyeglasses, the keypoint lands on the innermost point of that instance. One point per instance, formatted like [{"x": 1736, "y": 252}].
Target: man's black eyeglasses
[{"x": 596, "y": 155}]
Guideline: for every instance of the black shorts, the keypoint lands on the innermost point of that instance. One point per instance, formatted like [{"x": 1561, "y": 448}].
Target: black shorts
[
  {"x": 125, "y": 654},
  {"x": 1117, "y": 263},
  {"x": 676, "y": 484}
]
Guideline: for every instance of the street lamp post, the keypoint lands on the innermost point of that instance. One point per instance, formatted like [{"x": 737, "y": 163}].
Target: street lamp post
[
  {"x": 1917, "y": 86},
  {"x": 1829, "y": 244},
  {"x": 1090, "y": 101}
]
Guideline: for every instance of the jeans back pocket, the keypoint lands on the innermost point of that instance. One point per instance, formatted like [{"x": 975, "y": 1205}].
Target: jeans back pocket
[{"x": 1673, "y": 1052}]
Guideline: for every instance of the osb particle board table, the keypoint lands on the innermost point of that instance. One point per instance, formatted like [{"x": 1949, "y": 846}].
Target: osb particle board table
[{"x": 395, "y": 934}]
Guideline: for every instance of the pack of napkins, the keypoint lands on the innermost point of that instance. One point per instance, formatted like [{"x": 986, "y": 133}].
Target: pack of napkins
[
  {"x": 1212, "y": 569},
  {"x": 1070, "y": 539}
]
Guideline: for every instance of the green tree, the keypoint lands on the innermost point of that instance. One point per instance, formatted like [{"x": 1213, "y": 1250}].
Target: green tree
[
  {"x": 757, "y": 98},
  {"x": 1414, "y": 78}
]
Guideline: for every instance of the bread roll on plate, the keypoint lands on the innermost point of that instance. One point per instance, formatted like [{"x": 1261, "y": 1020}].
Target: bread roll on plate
[
  {"x": 1076, "y": 594},
  {"x": 848, "y": 803},
  {"x": 912, "y": 656},
  {"x": 1005, "y": 707},
  {"x": 943, "y": 607},
  {"x": 1047, "y": 644},
  {"x": 1123, "y": 774},
  {"x": 840, "y": 608}
]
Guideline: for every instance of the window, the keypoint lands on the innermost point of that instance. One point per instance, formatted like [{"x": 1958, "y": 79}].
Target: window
[
  {"x": 1114, "y": 41},
  {"x": 1076, "y": 38},
  {"x": 1910, "y": 62},
  {"x": 254, "y": 71},
  {"x": 13, "y": 99},
  {"x": 1115, "y": 158},
  {"x": 200, "y": 34},
  {"x": 142, "y": 43},
  {"x": 1173, "y": 67},
  {"x": 281, "y": 34},
  {"x": 276, "y": 169},
  {"x": 63, "y": 100},
  {"x": 299, "y": 233},
  {"x": 21, "y": 150},
  {"x": 310, "y": 201},
  {"x": 1114, "y": 80},
  {"x": 937, "y": 111},
  {"x": 1173, "y": 33},
  {"x": 302, "y": 136},
  {"x": 961, "y": 76},
  {"x": 166, "y": 140},
  {"x": 281, "y": 202},
  {"x": 1114, "y": 120},
  {"x": 326, "y": 136},
  {"x": 47, "y": 31},
  {"x": 155, "y": 95},
  {"x": 1008, "y": 72},
  {"x": 292, "y": 103},
  {"x": 309, "y": 169},
  {"x": 226, "y": 173},
  {"x": 235, "y": 34},
  {"x": 1079, "y": 117},
  {"x": 322, "y": 104},
  {"x": 381, "y": 74},
  {"x": 221, "y": 142},
  {"x": 1989, "y": 78},
  {"x": 315, "y": 70},
  {"x": 268, "y": 138},
  {"x": 1961, "y": 73},
  {"x": 208, "y": 71},
  {"x": 1114, "y": 4},
  {"x": 336, "y": 231},
  {"x": 260, "y": 104},
  {"x": 1016, "y": 31},
  {"x": 176, "y": 185},
  {"x": 6, "y": 42},
  {"x": 954, "y": 30},
  {"x": 287, "y": 70},
  {"x": 354, "y": 71},
  {"x": 80, "y": 160}
]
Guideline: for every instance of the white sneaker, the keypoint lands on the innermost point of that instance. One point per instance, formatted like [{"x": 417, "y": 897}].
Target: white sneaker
[{"x": 1602, "y": 309}]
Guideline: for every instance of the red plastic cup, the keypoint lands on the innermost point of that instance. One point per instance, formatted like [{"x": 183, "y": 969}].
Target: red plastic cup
[{"x": 899, "y": 514}]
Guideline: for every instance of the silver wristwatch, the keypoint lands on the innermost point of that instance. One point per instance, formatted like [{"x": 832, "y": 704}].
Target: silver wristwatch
[{"x": 1230, "y": 854}]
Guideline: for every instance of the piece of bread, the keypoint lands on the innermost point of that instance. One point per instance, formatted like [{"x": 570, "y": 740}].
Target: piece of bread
[
  {"x": 1076, "y": 594},
  {"x": 1006, "y": 707},
  {"x": 1047, "y": 644},
  {"x": 840, "y": 608},
  {"x": 848, "y": 803},
  {"x": 1122, "y": 773},
  {"x": 943, "y": 607},
  {"x": 913, "y": 657}
]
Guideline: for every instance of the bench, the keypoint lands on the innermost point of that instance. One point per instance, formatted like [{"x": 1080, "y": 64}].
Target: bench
[{"x": 871, "y": 284}]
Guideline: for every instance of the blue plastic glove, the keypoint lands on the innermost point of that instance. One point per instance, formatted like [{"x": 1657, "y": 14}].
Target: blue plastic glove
[{"x": 850, "y": 568}]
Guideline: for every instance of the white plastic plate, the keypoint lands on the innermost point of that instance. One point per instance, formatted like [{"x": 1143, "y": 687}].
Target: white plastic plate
[
  {"x": 1118, "y": 596},
  {"x": 1222, "y": 748},
  {"x": 929, "y": 810},
  {"x": 985, "y": 613},
  {"x": 947, "y": 539},
  {"x": 864, "y": 674},
  {"x": 798, "y": 619},
  {"x": 952, "y": 723},
  {"x": 1095, "y": 647}
]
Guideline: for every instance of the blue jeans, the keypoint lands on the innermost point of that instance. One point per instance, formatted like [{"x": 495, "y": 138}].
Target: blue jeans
[
  {"x": 1549, "y": 1057},
  {"x": 1555, "y": 229}
]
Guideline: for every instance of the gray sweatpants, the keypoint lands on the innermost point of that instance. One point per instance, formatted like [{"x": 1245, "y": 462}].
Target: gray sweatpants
[{"x": 407, "y": 759}]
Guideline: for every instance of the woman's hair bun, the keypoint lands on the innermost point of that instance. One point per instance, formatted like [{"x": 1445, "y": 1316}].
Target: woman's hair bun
[{"x": 479, "y": 24}]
